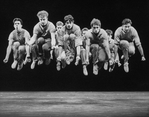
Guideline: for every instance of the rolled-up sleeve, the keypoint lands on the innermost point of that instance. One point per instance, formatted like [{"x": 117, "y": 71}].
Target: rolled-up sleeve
[{"x": 117, "y": 35}]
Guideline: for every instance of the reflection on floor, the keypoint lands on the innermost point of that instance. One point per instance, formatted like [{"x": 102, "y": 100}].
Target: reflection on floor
[{"x": 74, "y": 104}]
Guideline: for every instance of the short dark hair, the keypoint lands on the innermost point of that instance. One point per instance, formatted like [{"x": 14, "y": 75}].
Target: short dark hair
[
  {"x": 109, "y": 32},
  {"x": 68, "y": 18},
  {"x": 59, "y": 23},
  {"x": 18, "y": 19},
  {"x": 95, "y": 22},
  {"x": 42, "y": 13},
  {"x": 126, "y": 21},
  {"x": 85, "y": 29}
]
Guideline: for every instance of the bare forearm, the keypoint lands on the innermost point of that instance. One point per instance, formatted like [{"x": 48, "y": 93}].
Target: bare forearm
[
  {"x": 115, "y": 51},
  {"x": 87, "y": 47},
  {"x": 53, "y": 41},
  {"x": 106, "y": 47},
  {"x": 87, "y": 51},
  {"x": 27, "y": 40},
  {"x": 140, "y": 50},
  {"x": 108, "y": 52},
  {"x": 8, "y": 51},
  {"x": 33, "y": 39}
]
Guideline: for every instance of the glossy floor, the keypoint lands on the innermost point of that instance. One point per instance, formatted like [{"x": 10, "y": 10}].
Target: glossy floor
[{"x": 74, "y": 104}]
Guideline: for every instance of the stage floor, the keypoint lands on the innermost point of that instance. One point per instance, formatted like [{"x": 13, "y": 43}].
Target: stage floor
[{"x": 74, "y": 104}]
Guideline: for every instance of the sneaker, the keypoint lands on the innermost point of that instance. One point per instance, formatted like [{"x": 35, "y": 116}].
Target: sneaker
[
  {"x": 63, "y": 63},
  {"x": 87, "y": 62},
  {"x": 106, "y": 66},
  {"x": 110, "y": 69},
  {"x": 68, "y": 61},
  {"x": 126, "y": 67},
  {"x": 111, "y": 62},
  {"x": 33, "y": 64},
  {"x": 119, "y": 64},
  {"x": 90, "y": 54},
  {"x": 77, "y": 60},
  {"x": 14, "y": 64},
  {"x": 85, "y": 70},
  {"x": 27, "y": 59},
  {"x": 20, "y": 66},
  {"x": 58, "y": 67},
  {"x": 47, "y": 61},
  {"x": 51, "y": 53},
  {"x": 59, "y": 58},
  {"x": 40, "y": 61},
  {"x": 95, "y": 69},
  {"x": 122, "y": 57}
]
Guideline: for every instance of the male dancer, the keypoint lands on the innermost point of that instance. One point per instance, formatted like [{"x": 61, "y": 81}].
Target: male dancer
[
  {"x": 72, "y": 37},
  {"x": 98, "y": 46},
  {"x": 126, "y": 35},
  {"x": 43, "y": 39},
  {"x": 60, "y": 46},
  {"x": 18, "y": 40}
]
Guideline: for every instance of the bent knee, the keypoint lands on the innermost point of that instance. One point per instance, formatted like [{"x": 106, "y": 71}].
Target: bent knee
[
  {"x": 66, "y": 36},
  {"x": 21, "y": 48},
  {"x": 72, "y": 36},
  {"x": 45, "y": 47},
  {"x": 131, "y": 50},
  {"x": 124, "y": 44},
  {"x": 16, "y": 44},
  {"x": 40, "y": 40},
  {"x": 102, "y": 55}
]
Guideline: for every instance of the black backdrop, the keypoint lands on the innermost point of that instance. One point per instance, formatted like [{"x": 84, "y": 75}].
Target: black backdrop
[{"x": 46, "y": 78}]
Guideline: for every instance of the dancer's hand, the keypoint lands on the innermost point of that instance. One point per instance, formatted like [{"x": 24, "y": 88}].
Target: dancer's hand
[
  {"x": 5, "y": 60},
  {"x": 143, "y": 58}
]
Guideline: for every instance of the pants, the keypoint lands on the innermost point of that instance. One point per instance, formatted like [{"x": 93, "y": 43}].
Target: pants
[
  {"x": 18, "y": 51},
  {"x": 114, "y": 52},
  {"x": 58, "y": 52},
  {"x": 127, "y": 49},
  {"x": 83, "y": 55},
  {"x": 70, "y": 42},
  {"x": 99, "y": 56},
  {"x": 41, "y": 48},
  {"x": 98, "y": 53}
]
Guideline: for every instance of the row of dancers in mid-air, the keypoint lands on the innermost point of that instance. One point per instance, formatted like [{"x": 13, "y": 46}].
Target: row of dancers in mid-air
[{"x": 67, "y": 42}]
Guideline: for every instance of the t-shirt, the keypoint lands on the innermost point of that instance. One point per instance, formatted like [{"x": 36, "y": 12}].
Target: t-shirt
[
  {"x": 59, "y": 37},
  {"x": 99, "y": 38},
  {"x": 19, "y": 36},
  {"x": 45, "y": 31},
  {"x": 74, "y": 30},
  {"x": 131, "y": 35}
]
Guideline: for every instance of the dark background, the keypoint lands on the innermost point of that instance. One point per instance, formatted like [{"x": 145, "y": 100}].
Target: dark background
[{"x": 46, "y": 78}]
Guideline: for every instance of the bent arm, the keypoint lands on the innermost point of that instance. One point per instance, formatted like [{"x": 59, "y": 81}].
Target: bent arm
[
  {"x": 53, "y": 41},
  {"x": 140, "y": 50},
  {"x": 106, "y": 44},
  {"x": 77, "y": 32},
  {"x": 9, "y": 47},
  {"x": 87, "y": 45},
  {"x": 117, "y": 35},
  {"x": 33, "y": 39},
  {"x": 52, "y": 31},
  {"x": 27, "y": 37},
  {"x": 35, "y": 33},
  {"x": 8, "y": 50},
  {"x": 106, "y": 47},
  {"x": 137, "y": 41}
]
